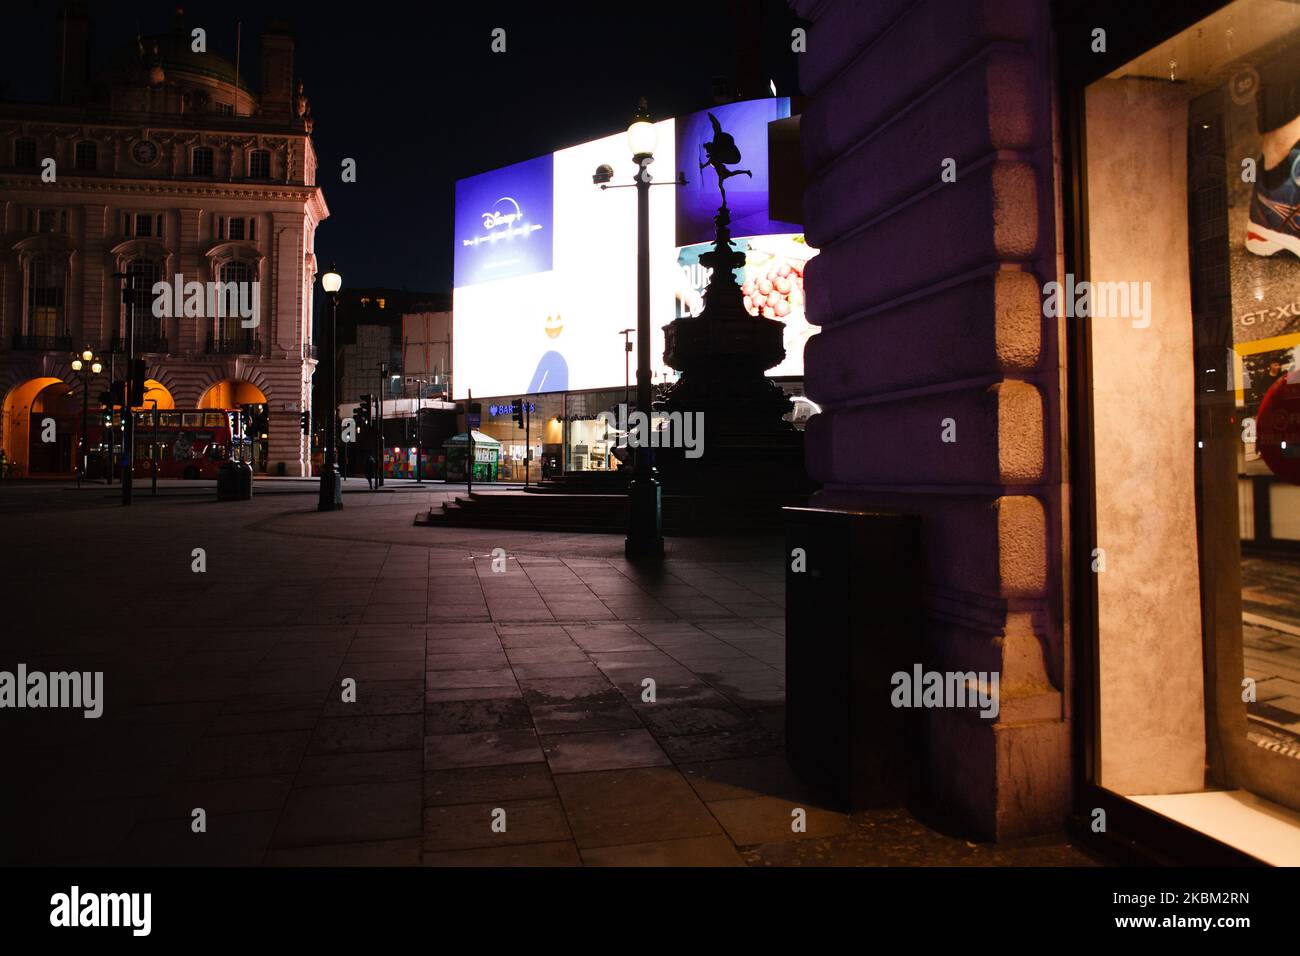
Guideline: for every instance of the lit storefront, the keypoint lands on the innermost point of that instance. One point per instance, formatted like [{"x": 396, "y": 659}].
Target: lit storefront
[{"x": 1184, "y": 299}]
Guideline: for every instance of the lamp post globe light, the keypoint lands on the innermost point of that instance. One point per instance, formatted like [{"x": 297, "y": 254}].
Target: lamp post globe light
[
  {"x": 86, "y": 364},
  {"x": 331, "y": 491},
  {"x": 641, "y": 134}
]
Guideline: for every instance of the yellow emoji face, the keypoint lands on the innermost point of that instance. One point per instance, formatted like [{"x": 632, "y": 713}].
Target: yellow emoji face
[{"x": 554, "y": 326}]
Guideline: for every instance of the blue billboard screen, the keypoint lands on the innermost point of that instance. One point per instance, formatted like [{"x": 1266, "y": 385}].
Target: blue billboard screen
[
  {"x": 698, "y": 201},
  {"x": 504, "y": 223}
]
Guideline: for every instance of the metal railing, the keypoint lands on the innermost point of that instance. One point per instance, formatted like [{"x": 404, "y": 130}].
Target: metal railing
[
  {"x": 143, "y": 343},
  {"x": 237, "y": 345}
]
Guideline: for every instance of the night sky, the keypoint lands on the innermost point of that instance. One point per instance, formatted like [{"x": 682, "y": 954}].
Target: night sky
[{"x": 419, "y": 100}]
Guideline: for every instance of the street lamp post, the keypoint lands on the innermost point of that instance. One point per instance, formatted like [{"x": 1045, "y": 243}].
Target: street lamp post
[
  {"x": 129, "y": 281},
  {"x": 645, "y": 539},
  {"x": 331, "y": 492},
  {"x": 379, "y": 428},
  {"x": 419, "y": 435},
  {"x": 87, "y": 364},
  {"x": 627, "y": 357}
]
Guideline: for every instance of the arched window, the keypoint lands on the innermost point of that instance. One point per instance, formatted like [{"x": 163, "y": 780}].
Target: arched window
[
  {"x": 239, "y": 295},
  {"x": 25, "y": 153},
  {"x": 86, "y": 157},
  {"x": 201, "y": 161},
  {"x": 45, "y": 284},
  {"x": 259, "y": 164},
  {"x": 150, "y": 332}
]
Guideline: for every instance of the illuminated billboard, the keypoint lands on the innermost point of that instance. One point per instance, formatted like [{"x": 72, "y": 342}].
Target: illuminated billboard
[
  {"x": 503, "y": 222},
  {"x": 545, "y": 261}
]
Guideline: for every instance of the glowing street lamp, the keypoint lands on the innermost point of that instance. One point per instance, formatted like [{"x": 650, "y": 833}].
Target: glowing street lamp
[
  {"x": 641, "y": 135},
  {"x": 86, "y": 364},
  {"x": 645, "y": 527},
  {"x": 645, "y": 537},
  {"x": 331, "y": 491}
]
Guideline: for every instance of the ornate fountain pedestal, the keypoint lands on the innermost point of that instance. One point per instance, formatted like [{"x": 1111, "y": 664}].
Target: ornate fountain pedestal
[{"x": 722, "y": 354}]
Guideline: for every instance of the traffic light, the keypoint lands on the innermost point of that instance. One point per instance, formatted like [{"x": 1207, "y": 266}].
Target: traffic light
[
  {"x": 117, "y": 391},
  {"x": 305, "y": 420},
  {"x": 362, "y": 414},
  {"x": 519, "y": 412},
  {"x": 137, "y": 382},
  {"x": 108, "y": 417}
]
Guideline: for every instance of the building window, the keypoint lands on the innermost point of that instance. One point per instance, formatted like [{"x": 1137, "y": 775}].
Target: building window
[
  {"x": 86, "y": 157},
  {"x": 45, "y": 220},
  {"x": 45, "y": 281},
  {"x": 148, "y": 327},
  {"x": 25, "y": 153},
  {"x": 236, "y": 228},
  {"x": 226, "y": 109},
  {"x": 143, "y": 225},
  {"x": 259, "y": 164},
  {"x": 201, "y": 161},
  {"x": 230, "y": 327}
]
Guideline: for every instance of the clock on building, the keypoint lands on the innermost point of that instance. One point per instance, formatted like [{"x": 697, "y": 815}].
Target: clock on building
[{"x": 144, "y": 152}]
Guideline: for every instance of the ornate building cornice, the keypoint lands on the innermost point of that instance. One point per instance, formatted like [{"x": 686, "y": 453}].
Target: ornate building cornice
[
  {"x": 42, "y": 118},
  {"x": 309, "y": 196}
]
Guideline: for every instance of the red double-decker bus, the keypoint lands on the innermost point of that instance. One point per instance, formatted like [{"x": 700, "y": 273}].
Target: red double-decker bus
[{"x": 186, "y": 442}]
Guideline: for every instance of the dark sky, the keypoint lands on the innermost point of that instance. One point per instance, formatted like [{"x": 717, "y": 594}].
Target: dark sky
[{"x": 413, "y": 92}]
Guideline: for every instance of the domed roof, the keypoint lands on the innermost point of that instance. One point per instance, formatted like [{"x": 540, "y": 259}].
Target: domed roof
[{"x": 175, "y": 50}]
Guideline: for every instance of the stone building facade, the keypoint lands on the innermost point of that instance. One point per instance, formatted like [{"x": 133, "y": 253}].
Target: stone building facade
[{"x": 165, "y": 163}]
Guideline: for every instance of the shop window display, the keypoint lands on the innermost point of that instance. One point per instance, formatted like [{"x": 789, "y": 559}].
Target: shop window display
[{"x": 1193, "y": 159}]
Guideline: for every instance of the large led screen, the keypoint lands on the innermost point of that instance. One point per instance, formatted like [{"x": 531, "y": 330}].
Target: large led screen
[
  {"x": 697, "y": 201},
  {"x": 503, "y": 223},
  {"x": 545, "y": 261}
]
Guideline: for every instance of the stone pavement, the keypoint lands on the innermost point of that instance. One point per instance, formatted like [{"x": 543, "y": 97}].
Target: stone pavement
[{"x": 516, "y": 695}]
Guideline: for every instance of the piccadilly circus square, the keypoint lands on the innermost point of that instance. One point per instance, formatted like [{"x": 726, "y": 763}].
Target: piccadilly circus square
[{"x": 447, "y": 451}]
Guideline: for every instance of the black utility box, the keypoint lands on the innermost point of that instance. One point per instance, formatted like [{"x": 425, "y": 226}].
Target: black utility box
[
  {"x": 235, "y": 481},
  {"x": 852, "y": 620}
]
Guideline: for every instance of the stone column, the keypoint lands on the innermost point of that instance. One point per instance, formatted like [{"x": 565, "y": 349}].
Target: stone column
[{"x": 938, "y": 377}]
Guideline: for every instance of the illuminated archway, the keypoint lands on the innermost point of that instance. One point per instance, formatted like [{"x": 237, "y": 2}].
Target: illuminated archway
[
  {"x": 232, "y": 393},
  {"x": 244, "y": 396},
  {"x": 155, "y": 390},
  {"x": 24, "y": 399}
]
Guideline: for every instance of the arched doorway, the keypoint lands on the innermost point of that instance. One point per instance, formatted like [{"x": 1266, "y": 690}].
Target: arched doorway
[
  {"x": 240, "y": 395},
  {"x": 26, "y": 408}
]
